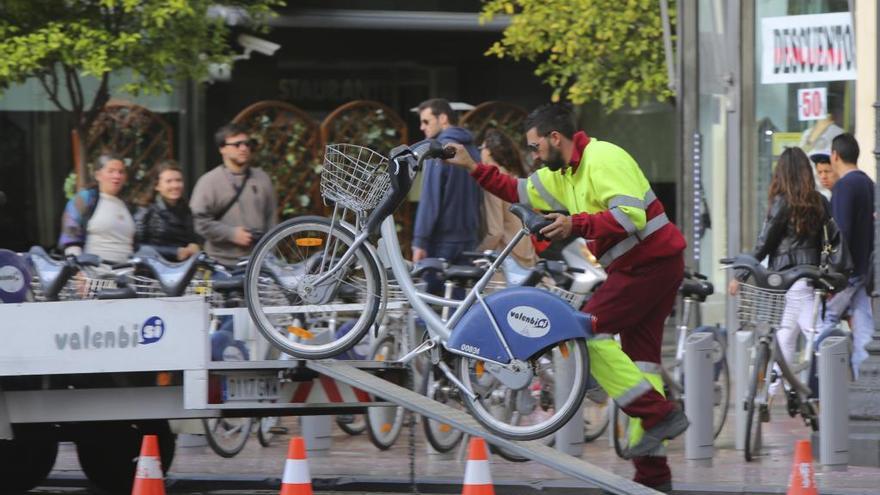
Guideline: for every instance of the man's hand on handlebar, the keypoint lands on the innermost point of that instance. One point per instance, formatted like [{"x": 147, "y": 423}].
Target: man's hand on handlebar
[
  {"x": 462, "y": 158},
  {"x": 559, "y": 229}
]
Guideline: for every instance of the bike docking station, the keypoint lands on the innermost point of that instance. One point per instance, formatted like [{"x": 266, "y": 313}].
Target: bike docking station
[
  {"x": 834, "y": 372},
  {"x": 699, "y": 398},
  {"x": 743, "y": 342}
]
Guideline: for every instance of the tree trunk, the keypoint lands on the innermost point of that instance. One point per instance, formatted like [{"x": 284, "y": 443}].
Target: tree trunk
[{"x": 80, "y": 156}]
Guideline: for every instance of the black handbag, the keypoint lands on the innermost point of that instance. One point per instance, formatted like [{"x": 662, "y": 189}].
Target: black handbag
[{"x": 835, "y": 255}]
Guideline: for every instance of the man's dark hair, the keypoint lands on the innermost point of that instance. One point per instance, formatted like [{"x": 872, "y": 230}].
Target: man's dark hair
[
  {"x": 230, "y": 129},
  {"x": 847, "y": 147},
  {"x": 440, "y": 106},
  {"x": 551, "y": 117}
]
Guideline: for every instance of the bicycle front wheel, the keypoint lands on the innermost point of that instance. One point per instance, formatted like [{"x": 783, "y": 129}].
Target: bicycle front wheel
[
  {"x": 227, "y": 436},
  {"x": 435, "y": 386},
  {"x": 292, "y": 310},
  {"x": 754, "y": 403},
  {"x": 596, "y": 413},
  {"x": 537, "y": 409}
]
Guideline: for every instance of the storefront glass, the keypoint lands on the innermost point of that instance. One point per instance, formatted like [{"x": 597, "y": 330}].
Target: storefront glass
[
  {"x": 715, "y": 55},
  {"x": 804, "y": 90}
]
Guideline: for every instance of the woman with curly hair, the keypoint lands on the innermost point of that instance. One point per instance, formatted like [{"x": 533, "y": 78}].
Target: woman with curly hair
[{"x": 792, "y": 235}]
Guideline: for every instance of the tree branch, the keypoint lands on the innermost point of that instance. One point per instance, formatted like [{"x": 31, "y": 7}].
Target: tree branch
[
  {"x": 53, "y": 90},
  {"x": 102, "y": 96},
  {"x": 75, "y": 104}
]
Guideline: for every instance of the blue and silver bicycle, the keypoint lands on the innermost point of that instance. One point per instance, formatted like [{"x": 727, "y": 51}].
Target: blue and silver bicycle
[{"x": 502, "y": 352}]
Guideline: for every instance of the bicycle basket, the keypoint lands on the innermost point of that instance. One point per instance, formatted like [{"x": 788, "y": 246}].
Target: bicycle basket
[
  {"x": 574, "y": 299},
  {"x": 756, "y": 306},
  {"x": 354, "y": 177}
]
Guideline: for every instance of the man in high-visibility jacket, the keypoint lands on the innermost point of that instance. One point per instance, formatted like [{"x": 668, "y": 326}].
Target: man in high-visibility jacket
[{"x": 611, "y": 205}]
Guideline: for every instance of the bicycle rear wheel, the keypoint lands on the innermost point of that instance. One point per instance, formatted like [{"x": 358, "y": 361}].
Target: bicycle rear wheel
[
  {"x": 442, "y": 436},
  {"x": 530, "y": 412},
  {"x": 281, "y": 289},
  {"x": 722, "y": 395},
  {"x": 754, "y": 403},
  {"x": 385, "y": 423},
  {"x": 620, "y": 437}
]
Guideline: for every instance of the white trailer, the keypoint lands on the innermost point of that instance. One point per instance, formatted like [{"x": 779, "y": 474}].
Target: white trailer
[{"x": 103, "y": 373}]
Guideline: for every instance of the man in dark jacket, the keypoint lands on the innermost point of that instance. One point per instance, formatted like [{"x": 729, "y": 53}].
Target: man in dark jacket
[
  {"x": 852, "y": 205},
  {"x": 448, "y": 217}
]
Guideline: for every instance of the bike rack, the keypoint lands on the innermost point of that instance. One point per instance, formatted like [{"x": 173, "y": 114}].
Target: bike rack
[
  {"x": 461, "y": 420},
  {"x": 699, "y": 397},
  {"x": 834, "y": 372},
  {"x": 743, "y": 342}
]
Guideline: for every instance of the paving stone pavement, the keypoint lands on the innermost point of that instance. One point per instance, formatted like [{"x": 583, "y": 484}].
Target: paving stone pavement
[{"x": 354, "y": 458}]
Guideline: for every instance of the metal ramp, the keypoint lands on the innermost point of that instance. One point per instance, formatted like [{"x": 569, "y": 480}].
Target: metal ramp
[{"x": 535, "y": 450}]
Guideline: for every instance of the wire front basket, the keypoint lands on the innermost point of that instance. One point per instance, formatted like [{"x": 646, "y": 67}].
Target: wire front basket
[
  {"x": 354, "y": 177},
  {"x": 756, "y": 306}
]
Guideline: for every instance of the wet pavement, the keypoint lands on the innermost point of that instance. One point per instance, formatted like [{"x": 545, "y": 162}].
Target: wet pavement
[{"x": 354, "y": 465}]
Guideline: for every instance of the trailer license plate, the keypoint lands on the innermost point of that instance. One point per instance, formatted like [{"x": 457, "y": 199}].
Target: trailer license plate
[{"x": 255, "y": 388}]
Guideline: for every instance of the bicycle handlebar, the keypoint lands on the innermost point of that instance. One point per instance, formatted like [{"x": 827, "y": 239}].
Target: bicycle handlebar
[{"x": 784, "y": 279}]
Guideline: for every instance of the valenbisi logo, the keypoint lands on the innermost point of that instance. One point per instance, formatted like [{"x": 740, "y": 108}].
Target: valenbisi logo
[
  {"x": 528, "y": 321},
  {"x": 151, "y": 331},
  {"x": 11, "y": 279}
]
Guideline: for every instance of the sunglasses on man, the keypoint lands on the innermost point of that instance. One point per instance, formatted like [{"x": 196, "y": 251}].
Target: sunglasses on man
[{"x": 249, "y": 143}]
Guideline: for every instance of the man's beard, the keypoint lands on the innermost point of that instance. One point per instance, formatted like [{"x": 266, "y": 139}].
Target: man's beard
[{"x": 555, "y": 161}]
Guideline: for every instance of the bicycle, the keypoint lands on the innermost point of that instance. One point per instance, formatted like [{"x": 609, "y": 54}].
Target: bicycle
[
  {"x": 496, "y": 370},
  {"x": 760, "y": 308},
  {"x": 694, "y": 290}
]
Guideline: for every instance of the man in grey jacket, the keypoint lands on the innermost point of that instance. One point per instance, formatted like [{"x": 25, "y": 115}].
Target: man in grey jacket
[{"x": 234, "y": 203}]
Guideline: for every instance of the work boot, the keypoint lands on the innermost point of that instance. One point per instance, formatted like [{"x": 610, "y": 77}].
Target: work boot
[
  {"x": 673, "y": 425},
  {"x": 662, "y": 487}
]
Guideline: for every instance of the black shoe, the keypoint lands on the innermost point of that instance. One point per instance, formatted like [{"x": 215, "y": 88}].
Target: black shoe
[
  {"x": 662, "y": 487},
  {"x": 673, "y": 425}
]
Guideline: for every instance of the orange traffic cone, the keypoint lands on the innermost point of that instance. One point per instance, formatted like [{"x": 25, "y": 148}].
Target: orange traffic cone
[
  {"x": 477, "y": 479},
  {"x": 296, "y": 479},
  {"x": 148, "y": 475},
  {"x": 802, "y": 481}
]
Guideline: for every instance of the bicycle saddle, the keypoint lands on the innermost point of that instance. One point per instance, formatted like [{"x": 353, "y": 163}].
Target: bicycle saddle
[
  {"x": 696, "y": 289},
  {"x": 464, "y": 273},
  {"x": 532, "y": 220},
  {"x": 53, "y": 274},
  {"x": 435, "y": 265},
  {"x": 172, "y": 277},
  {"x": 233, "y": 283},
  {"x": 117, "y": 293}
]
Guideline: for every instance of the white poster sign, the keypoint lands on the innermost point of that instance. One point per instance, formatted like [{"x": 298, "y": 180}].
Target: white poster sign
[
  {"x": 149, "y": 334},
  {"x": 808, "y": 48},
  {"x": 812, "y": 103}
]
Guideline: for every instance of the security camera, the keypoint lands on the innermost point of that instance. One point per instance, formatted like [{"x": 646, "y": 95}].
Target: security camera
[{"x": 252, "y": 43}]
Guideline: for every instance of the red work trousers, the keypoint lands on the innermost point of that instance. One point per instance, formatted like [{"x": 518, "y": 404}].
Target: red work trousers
[{"x": 634, "y": 302}]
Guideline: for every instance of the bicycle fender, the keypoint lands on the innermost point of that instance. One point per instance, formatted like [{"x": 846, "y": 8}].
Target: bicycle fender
[{"x": 530, "y": 320}]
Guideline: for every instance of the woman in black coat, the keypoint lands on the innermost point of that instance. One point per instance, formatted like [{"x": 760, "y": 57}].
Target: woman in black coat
[{"x": 164, "y": 221}]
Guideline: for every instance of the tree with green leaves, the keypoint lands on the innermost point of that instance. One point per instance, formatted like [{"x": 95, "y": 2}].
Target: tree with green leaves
[
  {"x": 157, "y": 42},
  {"x": 610, "y": 51}
]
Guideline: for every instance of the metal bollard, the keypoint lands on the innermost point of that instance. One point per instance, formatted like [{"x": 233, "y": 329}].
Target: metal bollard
[
  {"x": 742, "y": 348},
  {"x": 317, "y": 433},
  {"x": 569, "y": 438},
  {"x": 834, "y": 375},
  {"x": 699, "y": 397}
]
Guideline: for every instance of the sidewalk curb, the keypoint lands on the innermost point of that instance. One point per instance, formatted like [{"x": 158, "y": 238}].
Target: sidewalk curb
[{"x": 438, "y": 485}]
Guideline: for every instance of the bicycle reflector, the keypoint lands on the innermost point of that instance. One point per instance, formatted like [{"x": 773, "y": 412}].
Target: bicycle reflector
[
  {"x": 308, "y": 242},
  {"x": 301, "y": 332}
]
